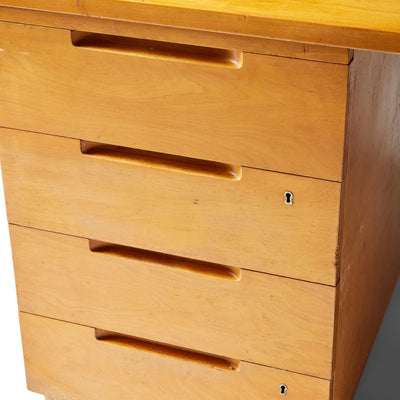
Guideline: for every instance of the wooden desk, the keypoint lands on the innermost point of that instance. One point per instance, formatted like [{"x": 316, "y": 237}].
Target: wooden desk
[{"x": 202, "y": 197}]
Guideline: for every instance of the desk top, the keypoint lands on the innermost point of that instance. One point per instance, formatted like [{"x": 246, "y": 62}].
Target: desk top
[{"x": 363, "y": 24}]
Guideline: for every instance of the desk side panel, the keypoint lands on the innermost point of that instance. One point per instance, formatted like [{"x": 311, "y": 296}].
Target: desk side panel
[{"x": 370, "y": 251}]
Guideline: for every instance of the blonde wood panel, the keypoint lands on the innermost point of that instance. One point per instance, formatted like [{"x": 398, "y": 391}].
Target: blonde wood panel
[
  {"x": 273, "y": 113},
  {"x": 370, "y": 260},
  {"x": 241, "y": 222},
  {"x": 256, "y": 317},
  {"x": 365, "y": 24},
  {"x": 121, "y": 372},
  {"x": 178, "y": 35}
]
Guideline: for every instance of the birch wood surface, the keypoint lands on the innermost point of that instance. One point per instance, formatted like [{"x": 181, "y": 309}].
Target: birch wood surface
[
  {"x": 89, "y": 369},
  {"x": 239, "y": 219},
  {"x": 251, "y": 316},
  {"x": 365, "y": 24},
  {"x": 223, "y": 105}
]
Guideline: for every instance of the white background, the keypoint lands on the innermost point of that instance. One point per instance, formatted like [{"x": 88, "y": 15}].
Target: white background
[{"x": 12, "y": 376}]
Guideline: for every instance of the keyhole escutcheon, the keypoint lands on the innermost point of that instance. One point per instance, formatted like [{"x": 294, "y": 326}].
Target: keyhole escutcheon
[
  {"x": 289, "y": 198},
  {"x": 283, "y": 390}
]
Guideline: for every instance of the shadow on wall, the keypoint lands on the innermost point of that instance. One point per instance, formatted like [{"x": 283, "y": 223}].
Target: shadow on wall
[{"x": 380, "y": 380}]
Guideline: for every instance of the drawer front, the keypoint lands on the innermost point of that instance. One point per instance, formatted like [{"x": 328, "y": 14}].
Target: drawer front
[
  {"x": 245, "y": 315},
  {"x": 126, "y": 372},
  {"x": 267, "y": 112},
  {"x": 239, "y": 219}
]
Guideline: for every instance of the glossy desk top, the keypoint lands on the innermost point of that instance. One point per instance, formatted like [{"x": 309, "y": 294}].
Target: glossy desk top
[{"x": 363, "y": 24}]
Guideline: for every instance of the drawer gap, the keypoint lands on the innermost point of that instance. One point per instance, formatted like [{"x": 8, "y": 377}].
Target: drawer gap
[
  {"x": 168, "y": 260},
  {"x": 162, "y": 160},
  {"x": 157, "y": 49},
  {"x": 167, "y": 350}
]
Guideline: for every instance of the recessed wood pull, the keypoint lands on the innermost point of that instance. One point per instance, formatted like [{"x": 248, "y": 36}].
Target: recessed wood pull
[
  {"x": 196, "y": 266},
  {"x": 167, "y": 350},
  {"x": 161, "y": 160},
  {"x": 155, "y": 49}
]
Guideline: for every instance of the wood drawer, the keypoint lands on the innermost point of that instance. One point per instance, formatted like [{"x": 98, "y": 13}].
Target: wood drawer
[
  {"x": 238, "y": 219},
  {"x": 90, "y": 369},
  {"x": 245, "y": 315},
  {"x": 255, "y": 110}
]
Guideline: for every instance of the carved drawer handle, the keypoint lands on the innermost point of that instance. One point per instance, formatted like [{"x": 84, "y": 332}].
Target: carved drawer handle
[
  {"x": 167, "y": 350},
  {"x": 159, "y": 50},
  {"x": 167, "y": 260},
  {"x": 162, "y": 160}
]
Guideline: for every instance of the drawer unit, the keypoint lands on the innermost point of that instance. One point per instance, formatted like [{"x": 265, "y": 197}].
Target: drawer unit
[
  {"x": 240, "y": 220},
  {"x": 199, "y": 211},
  {"x": 128, "y": 370},
  {"x": 240, "y": 108},
  {"x": 239, "y": 314}
]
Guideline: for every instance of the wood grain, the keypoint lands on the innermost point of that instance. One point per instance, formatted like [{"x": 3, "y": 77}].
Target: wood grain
[
  {"x": 364, "y": 24},
  {"x": 370, "y": 260},
  {"x": 178, "y": 35},
  {"x": 272, "y": 113},
  {"x": 245, "y": 223},
  {"x": 284, "y": 323},
  {"x": 120, "y": 372}
]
